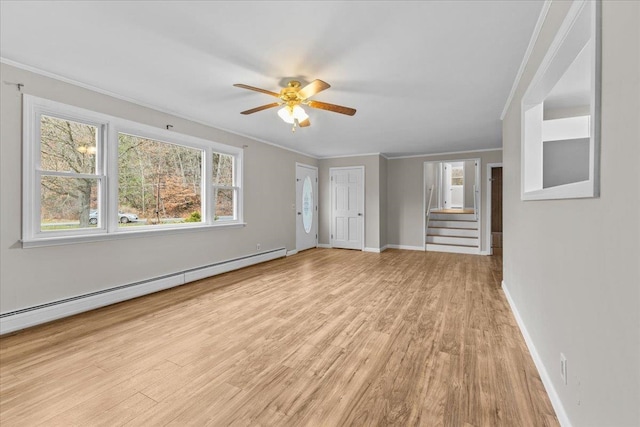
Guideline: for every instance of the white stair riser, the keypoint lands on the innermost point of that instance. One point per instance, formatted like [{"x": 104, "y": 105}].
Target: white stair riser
[
  {"x": 464, "y": 232},
  {"x": 454, "y": 224},
  {"x": 466, "y": 241},
  {"x": 453, "y": 249},
  {"x": 469, "y": 217}
]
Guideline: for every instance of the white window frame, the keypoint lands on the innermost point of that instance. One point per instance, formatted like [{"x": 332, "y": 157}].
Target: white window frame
[
  {"x": 565, "y": 46},
  {"x": 107, "y": 175},
  {"x": 235, "y": 187}
]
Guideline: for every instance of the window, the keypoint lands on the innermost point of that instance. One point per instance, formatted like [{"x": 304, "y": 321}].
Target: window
[
  {"x": 69, "y": 177},
  {"x": 457, "y": 175},
  {"x": 89, "y": 176},
  {"x": 561, "y": 113},
  {"x": 158, "y": 182},
  {"x": 225, "y": 189}
]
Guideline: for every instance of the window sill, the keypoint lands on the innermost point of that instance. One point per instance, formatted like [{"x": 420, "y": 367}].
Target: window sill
[
  {"x": 574, "y": 190},
  {"x": 69, "y": 240}
]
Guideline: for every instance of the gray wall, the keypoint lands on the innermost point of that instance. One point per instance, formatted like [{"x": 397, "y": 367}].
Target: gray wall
[
  {"x": 405, "y": 198},
  {"x": 469, "y": 182},
  {"x": 564, "y": 162},
  {"x": 562, "y": 113},
  {"x": 34, "y": 276},
  {"x": 431, "y": 179},
  {"x": 571, "y": 266},
  {"x": 372, "y": 197},
  {"x": 383, "y": 201}
]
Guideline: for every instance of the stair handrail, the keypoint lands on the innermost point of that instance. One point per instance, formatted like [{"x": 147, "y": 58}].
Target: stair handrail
[
  {"x": 475, "y": 201},
  {"x": 428, "y": 213}
]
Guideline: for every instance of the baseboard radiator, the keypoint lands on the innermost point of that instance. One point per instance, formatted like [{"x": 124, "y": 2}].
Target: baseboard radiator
[{"x": 31, "y": 316}]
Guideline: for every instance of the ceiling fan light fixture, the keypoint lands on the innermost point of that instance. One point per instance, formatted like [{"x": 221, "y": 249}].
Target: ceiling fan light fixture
[
  {"x": 286, "y": 115},
  {"x": 290, "y": 114},
  {"x": 290, "y": 99},
  {"x": 299, "y": 113}
]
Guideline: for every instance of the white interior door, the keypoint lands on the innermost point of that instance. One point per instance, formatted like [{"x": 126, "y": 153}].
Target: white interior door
[
  {"x": 347, "y": 208},
  {"x": 453, "y": 185},
  {"x": 306, "y": 207},
  {"x": 446, "y": 185},
  {"x": 457, "y": 185}
]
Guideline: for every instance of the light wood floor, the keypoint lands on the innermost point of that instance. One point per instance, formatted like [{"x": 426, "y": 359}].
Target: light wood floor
[{"x": 323, "y": 338}]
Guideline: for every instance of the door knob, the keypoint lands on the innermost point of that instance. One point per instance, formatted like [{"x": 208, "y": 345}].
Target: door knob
[{"x": 359, "y": 214}]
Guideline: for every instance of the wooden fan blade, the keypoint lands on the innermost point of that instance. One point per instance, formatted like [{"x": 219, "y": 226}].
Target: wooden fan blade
[
  {"x": 312, "y": 88},
  {"x": 304, "y": 123},
  {"x": 257, "y": 89},
  {"x": 332, "y": 107},
  {"x": 262, "y": 107}
]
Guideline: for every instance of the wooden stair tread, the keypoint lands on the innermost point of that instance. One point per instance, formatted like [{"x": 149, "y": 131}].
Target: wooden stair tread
[
  {"x": 451, "y": 244},
  {"x": 453, "y": 220},
  {"x": 452, "y": 228},
  {"x": 457, "y": 237},
  {"x": 453, "y": 211}
]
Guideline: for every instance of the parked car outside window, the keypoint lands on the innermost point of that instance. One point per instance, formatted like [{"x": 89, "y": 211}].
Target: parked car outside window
[{"x": 124, "y": 217}]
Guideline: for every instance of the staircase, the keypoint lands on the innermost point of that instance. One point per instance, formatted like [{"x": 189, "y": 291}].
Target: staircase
[{"x": 453, "y": 232}]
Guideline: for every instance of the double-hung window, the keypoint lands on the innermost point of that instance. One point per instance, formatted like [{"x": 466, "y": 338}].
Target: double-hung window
[
  {"x": 64, "y": 171},
  {"x": 225, "y": 186},
  {"x": 90, "y": 176}
]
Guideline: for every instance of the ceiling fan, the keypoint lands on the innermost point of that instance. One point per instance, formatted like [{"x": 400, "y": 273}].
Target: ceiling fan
[{"x": 291, "y": 99}]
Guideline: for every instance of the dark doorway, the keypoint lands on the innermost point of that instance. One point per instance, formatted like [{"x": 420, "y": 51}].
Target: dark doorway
[{"x": 496, "y": 210}]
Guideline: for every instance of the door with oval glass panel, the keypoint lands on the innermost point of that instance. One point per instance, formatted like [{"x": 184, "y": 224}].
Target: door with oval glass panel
[{"x": 306, "y": 207}]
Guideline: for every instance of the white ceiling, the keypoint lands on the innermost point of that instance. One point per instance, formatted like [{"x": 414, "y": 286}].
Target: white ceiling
[{"x": 425, "y": 77}]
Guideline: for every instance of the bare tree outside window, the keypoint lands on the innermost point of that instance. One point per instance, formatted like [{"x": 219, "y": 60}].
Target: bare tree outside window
[
  {"x": 224, "y": 190},
  {"x": 158, "y": 181},
  {"x": 71, "y": 148},
  {"x": 90, "y": 176}
]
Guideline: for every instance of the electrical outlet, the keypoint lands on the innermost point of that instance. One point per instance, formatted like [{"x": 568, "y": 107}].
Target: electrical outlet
[
  {"x": 257, "y": 246},
  {"x": 563, "y": 368}
]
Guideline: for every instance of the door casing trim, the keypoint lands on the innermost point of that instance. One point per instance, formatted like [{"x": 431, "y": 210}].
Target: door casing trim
[{"x": 364, "y": 203}]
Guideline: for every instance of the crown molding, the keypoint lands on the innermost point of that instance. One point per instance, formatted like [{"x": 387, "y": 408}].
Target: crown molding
[
  {"x": 352, "y": 155},
  {"x": 527, "y": 54},
  {"x": 484, "y": 150},
  {"x": 115, "y": 95}
]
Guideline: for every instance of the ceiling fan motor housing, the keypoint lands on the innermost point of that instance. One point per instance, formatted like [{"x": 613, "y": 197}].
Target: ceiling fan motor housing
[{"x": 289, "y": 94}]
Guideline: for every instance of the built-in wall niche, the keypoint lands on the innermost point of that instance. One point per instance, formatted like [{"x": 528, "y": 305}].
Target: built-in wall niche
[{"x": 561, "y": 112}]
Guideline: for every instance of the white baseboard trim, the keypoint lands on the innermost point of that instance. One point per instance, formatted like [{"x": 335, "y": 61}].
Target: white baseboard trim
[
  {"x": 376, "y": 250},
  {"x": 230, "y": 265},
  {"x": 324, "y": 246},
  {"x": 542, "y": 371},
  {"x": 453, "y": 249},
  {"x": 47, "y": 312},
  {"x": 485, "y": 253},
  {"x": 292, "y": 252},
  {"x": 406, "y": 247},
  {"x": 24, "y": 318}
]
